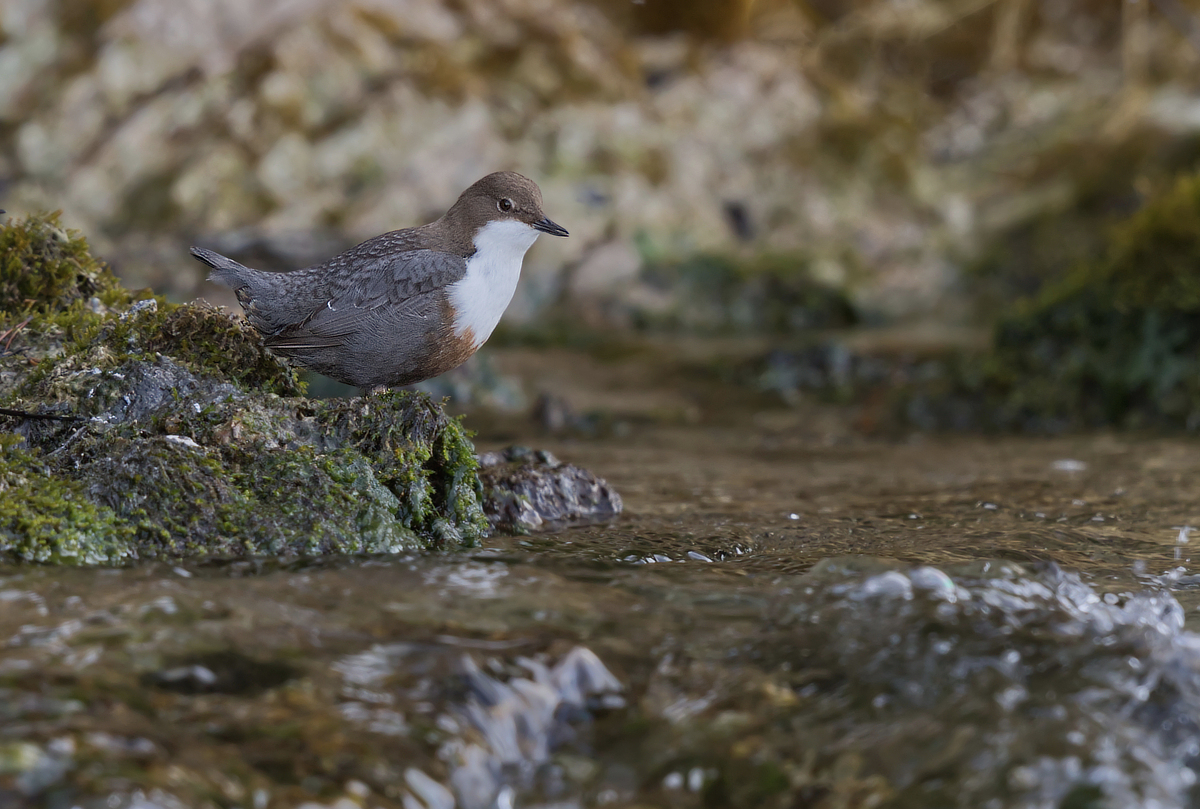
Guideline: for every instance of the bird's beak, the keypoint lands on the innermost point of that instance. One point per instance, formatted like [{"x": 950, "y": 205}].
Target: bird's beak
[{"x": 546, "y": 226}]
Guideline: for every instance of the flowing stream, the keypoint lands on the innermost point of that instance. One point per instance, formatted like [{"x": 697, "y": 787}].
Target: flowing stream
[{"x": 784, "y": 617}]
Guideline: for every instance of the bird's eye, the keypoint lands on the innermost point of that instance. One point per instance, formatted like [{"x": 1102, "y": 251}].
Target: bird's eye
[{"x": 505, "y": 205}]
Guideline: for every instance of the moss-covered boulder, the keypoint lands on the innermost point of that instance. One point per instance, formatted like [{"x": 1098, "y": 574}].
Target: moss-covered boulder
[
  {"x": 163, "y": 431},
  {"x": 1115, "y": 343}
]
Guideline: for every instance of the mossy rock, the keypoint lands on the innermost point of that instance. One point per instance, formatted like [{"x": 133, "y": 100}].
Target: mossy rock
[
  {"x": 179, "y": 435},
  {"x": 52, "y": 291},
  {"x": 45, "y": 518},
  {"x": 171, "y": 464},
  {"x": 202, "y": 337},
  {"x": 1115, "y": 343},
  {"x": 1152, "y": 260},
  {"x": 46, "y": 268}
]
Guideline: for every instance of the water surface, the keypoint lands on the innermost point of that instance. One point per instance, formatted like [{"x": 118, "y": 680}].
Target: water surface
[{"x": 787, "y": 614}]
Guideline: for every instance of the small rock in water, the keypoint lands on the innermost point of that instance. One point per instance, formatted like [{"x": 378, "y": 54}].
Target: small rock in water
[
  {"x": 531, "y": 490},
  {"x": 516, "y": 722}
]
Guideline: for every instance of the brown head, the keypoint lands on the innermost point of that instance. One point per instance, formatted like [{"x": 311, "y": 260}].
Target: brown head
[{"x": 499, "y": 196}]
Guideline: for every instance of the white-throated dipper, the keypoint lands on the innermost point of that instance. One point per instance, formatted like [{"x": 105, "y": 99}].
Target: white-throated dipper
[{"x": 405, "y": 306}]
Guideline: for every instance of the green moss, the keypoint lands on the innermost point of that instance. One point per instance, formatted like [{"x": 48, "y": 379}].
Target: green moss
[
  {"x": 454, "y": 472},
  {"x": 182, "y": 500},
  {"x": 63, "y": 299},
  {"x": 1116, "y": 342},
  {"x": 423, "y": 456},
  {"x": 44, "y": 518},
  {"x": 1075, "y": 225},
  {"x": 248, "y": 475},
  {"x": 202, "y": 338},
  {"x": 208, "y": 341},
  {"x": 167, "y": 493},
  {"x": 52, "y": 290},
  {"x": 302, "y": 502},
  {"x": 1152, "y": 261},
  {"x": 46, "y": 268}
]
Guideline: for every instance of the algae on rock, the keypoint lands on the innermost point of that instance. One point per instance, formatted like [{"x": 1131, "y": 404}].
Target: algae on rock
[
  {"x": 179, "y": 434},
  {"x": 51, "y": 290},
  {"x": 1115, "y": 343},
  {"x": 46, "y": 268},
  {"x": 44, "y": 518}
]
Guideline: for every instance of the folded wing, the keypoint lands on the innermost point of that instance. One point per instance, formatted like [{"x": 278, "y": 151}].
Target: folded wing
[{"x": 370, "y": 293}]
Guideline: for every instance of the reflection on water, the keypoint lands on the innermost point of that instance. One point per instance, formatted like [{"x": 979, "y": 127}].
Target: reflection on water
[{"x": 776, "y": 621}]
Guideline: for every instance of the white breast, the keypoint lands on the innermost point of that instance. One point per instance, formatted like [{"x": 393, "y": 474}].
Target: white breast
[{"x": 481, "y": 297}]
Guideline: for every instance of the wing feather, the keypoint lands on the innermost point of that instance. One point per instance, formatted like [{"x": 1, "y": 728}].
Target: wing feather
[{"x": 359, "y": 286}]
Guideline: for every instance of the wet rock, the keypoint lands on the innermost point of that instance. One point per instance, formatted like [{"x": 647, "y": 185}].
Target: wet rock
[
  {"x": 521, "y": 721},
  {"x": 168, "y": 462},
  {"x": 1055, "y": 677},
  {"x": 531, "y": 490},
  {"x": 929, "y": 687},
  {"x": 501, "y": 725}
]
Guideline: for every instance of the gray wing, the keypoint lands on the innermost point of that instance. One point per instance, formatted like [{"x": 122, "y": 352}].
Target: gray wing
[
  {"x": 363, "y": 285},
  {"x": 394, "y": 278}
]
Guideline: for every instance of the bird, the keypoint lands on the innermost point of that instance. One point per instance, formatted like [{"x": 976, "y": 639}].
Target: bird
[{"x": 404, "y": 306}]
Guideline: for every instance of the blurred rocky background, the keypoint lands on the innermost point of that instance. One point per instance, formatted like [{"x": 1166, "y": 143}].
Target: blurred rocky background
[{"x": 724, "y": 166}]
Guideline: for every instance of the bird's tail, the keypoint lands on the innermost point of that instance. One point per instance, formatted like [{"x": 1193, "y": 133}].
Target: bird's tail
[{"x": 224, "y": 270}]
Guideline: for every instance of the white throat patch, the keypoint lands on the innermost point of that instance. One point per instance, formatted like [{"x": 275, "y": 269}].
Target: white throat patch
[{"x": 481, "y": 297}]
